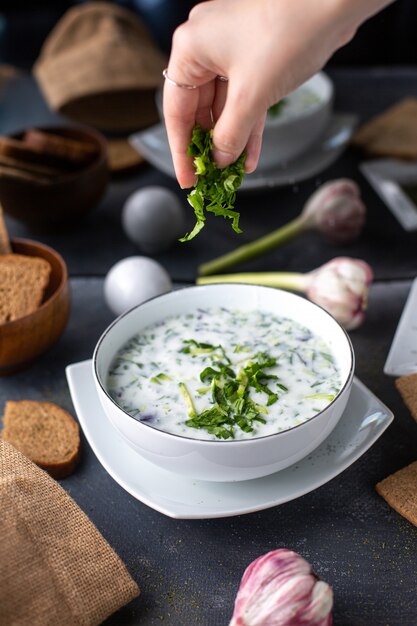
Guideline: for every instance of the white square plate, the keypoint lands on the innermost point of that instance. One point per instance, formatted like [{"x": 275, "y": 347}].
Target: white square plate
[
  {"x": 386, "y": 176},
  {"x": 364, "y": 420},
  {"x": 402, "y": 357}
]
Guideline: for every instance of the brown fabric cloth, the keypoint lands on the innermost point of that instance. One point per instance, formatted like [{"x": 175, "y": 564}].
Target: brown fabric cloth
[
  {"x": 55, "y": 567},
  {"x": 100, "y": 66}
]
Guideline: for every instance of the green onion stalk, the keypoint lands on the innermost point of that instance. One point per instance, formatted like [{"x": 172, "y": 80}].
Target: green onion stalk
[
  {"x": 335, "y": 209},
  {"x": 339, "y": 286}
]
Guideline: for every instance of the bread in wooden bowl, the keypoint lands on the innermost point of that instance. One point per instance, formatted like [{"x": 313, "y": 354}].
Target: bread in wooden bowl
[
  {"x": 52, "y": 176},
  {"x": 36, "y": 149},
  {"x": 70, "y": 152},
  {"x": 32, "y": 168},
  {"x": 45, "y": 433},
  {"x": 25, "y": 338},
  {"x": 23, "y": 282}
]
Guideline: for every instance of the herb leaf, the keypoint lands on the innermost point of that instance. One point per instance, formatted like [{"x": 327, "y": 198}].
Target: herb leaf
[
  {"x": 215, "y": 189},
  {"x": 276, "y": 108},
  {"x": 232, "y": 405}
]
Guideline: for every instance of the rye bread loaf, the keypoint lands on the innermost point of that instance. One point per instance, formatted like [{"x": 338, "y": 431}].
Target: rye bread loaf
[
  {"x": 23, "y": 281},
  {"x": 45, "y": 433}
]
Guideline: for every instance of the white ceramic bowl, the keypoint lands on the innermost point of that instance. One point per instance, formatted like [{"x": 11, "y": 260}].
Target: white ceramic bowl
[
  {"x": 229, "y": 460},
  {"x": 293, "y": 131}
]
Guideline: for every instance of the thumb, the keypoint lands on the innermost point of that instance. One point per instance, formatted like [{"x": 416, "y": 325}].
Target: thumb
[{"x": 235, "y": 124}]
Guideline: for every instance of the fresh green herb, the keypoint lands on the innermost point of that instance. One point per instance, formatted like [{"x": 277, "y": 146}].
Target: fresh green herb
[
  {"x": 157, "y": 379},
  {"x": 215, "y": 189},
  {"x": 240, "y": 348},
  {"x": 188, "y": 400},
  {"x": 232, "y": 405},
  {"x": 321, "y": 396},
  {"x": 195, "y": 347},
  {"x": 276, "y": 109}
]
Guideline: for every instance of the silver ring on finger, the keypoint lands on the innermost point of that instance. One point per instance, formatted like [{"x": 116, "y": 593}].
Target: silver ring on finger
[{"x": 174, "y": 82}]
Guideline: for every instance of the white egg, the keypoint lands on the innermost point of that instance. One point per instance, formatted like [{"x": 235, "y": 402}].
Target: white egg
[
  {"x": 133, "y": 280},
  {"x": 153, "y": 218}
]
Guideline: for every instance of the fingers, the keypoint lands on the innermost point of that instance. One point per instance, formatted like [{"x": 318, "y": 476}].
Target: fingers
[
  {"x": 239, "y": 120},
  {"x": 219, "y": 99},
  {"x": 184, "y": 107},
  {"x": 180, "y": 107},
  {"x": 238, "y": 126},
  {"x": 203, "y": 115},
  {"x": 254, "y": 145}
]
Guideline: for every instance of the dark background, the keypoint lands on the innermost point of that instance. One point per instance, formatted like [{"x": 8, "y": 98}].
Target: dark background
[{"x": 388, "y": 38}]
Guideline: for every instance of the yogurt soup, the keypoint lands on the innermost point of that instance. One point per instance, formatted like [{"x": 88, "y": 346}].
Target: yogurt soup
[
  {"x": 224, "y": 374},
  {"x": 293, "y": 105}
]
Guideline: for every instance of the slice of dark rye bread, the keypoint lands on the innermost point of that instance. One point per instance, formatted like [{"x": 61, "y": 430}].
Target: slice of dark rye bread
[
  {"x": 43, "y": 432},
  {"x": 400, "y": 491},
  {"x": 23, "y": 280},
  {"x": 407, "y": 386}
]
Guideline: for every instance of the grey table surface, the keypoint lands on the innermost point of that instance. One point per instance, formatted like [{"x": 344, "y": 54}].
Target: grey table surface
[{"x": 189, "y": 570}]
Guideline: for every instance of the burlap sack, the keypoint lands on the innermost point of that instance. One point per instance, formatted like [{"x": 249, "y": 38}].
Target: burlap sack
[
  {"x": 55, "y": 567},
  {"x": 100, "y": 66}
]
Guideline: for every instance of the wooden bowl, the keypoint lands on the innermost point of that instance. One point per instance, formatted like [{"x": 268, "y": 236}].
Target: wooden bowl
[
  {"x": 25, "y": 339},
  {"x": 50, "y": 204}
]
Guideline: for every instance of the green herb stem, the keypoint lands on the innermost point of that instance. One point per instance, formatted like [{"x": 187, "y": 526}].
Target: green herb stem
[
  {"x": 188, "y": 400},
  {"x": 322, "y": 396},
  {"x": 256, "y": 248},
  {"x": 282, "y": 280}
]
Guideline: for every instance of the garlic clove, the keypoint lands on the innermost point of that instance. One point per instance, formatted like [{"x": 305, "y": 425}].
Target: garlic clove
[{"x": 281, "y": 589}]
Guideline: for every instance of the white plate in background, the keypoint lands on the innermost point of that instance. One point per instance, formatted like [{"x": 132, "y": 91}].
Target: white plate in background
[{"x": 152, "y": 143}]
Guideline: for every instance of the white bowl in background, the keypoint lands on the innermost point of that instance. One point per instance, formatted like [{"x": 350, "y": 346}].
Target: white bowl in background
[
  {"x": 299, "y": 124},
  {"x": 296, "y": 128},
  {"x": 230, "y": 460}
]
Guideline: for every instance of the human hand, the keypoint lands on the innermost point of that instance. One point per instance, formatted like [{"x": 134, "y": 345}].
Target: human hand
[{"x": 265, "y": 48}]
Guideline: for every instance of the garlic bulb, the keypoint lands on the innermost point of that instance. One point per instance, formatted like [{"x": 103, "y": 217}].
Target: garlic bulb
[
  {"x": 336, "y": 210},
  {"x": 340, "y": 286},
  {"x": 281, "y": 589}
]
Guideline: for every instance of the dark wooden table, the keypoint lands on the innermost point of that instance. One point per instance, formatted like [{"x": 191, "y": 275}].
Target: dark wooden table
[{"x": 189, "y": 571}]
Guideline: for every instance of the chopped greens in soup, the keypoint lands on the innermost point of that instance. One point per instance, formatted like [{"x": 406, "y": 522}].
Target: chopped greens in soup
[
  {"x": 224, "y": 374},
  {"x": 295, "y": 103}
]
